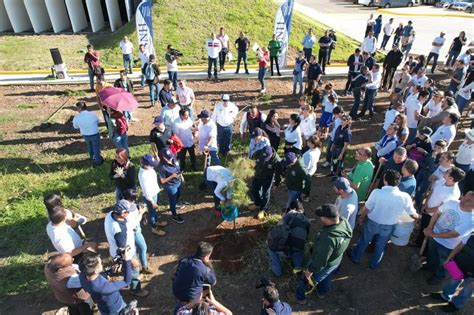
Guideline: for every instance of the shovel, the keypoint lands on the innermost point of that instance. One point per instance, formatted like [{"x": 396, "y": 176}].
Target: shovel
[{"x": 417, "y": 260}]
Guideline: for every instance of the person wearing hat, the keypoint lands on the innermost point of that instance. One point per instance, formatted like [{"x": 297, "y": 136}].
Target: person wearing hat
[
  {"x": 267, "y": 169},
  {"x": 383, "y": 208},
  {"x": 224, "y": 115},
  {"x": 170, "y": 112},
  {"x": 421, "y": 145},
  {"x": 258, "y": 141},
  {"x": 297, "y": 178},
  {"x": 120, "y": 236},
  {"x": 166, "y": 93},
  {"x": 207, "y": 137},
  {"x": 218, "y": 179},
  {"x": 328, "y": 249},
  {"x": 88, "y": 124},
  {"x": 347, "y": 202},
  {"x": 172, "y": 180},
  {"x": 160, "y": 135},
  {"x": 437, "y": 43},
  {"x": 150, "y": 189}
]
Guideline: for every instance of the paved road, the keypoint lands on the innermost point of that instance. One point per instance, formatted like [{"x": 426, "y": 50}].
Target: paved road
[{"x": 351, "y": 20}]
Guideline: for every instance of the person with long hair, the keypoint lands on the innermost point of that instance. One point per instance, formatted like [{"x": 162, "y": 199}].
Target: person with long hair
[
  {"x": 403, "y": 131},
  {"x": 273, "y": 129},
  {"x": 455, "y": 48},
  {"x": 293, "y": 135},
  {"x": 312, "y": 91}
]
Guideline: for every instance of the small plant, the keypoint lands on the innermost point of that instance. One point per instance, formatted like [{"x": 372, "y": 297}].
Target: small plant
[
  {"x": 25, "y": 106},
  {"x": 266, "y": 98},
  {"x": 71, "y": 93}
]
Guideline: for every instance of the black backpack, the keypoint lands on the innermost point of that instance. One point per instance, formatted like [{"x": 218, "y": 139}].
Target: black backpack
[{"x": 277, "y": 237}]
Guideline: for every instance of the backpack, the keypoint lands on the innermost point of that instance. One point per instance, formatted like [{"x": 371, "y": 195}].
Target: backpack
[
  {"x": 149, "y": 72},
  {"x": 277, "y": 238},
  {"x": 177, "y": 144}
]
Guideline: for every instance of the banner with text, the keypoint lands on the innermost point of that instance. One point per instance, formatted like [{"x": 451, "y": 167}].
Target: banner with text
[
  {"x": 282, "y": 28},
  {"x": 144, "y": 26}
]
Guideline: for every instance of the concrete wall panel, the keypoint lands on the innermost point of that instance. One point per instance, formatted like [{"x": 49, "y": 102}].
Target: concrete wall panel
[
  {"x": 18, "y": 16},
  {"x": 95, "y": 15},
  {"x": 113, "y": 11},
  {"x": 58, "y": 15},
  {"x": 38, "y": 15},
  {"x": 5, "y": 24},
  {"x": 77, "y": 15}
]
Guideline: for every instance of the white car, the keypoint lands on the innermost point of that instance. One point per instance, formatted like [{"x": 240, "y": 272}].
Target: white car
[
  {"x": 366, "y": 3},
  {"x": 462, "y": 6}
]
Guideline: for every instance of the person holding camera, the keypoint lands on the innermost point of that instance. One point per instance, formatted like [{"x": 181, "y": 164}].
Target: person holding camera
[
  {"x": 120, "y": 236},
  {"x": 104, "y": 292},
  {"x": 206, "y": 304},
  {"x": 192, "y": 274},
  {"x": 272, "y": 303},
  {"x": 171, "y": 58}
]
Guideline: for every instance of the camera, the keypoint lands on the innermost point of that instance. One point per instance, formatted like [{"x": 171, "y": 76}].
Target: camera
[
  {"x": 119, "y": 255},
  {"x": 176, "y": 52},
  {"x": 264, "y": 282}
]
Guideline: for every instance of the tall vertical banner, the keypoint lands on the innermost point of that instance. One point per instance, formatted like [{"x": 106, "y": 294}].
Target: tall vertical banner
[
  {"x": 144, "y": 26},
  {"x": 282, "y": 28}
]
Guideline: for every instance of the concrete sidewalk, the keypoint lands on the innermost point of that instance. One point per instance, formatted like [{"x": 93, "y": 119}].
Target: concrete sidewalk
[{"x": 424, "y": 10}]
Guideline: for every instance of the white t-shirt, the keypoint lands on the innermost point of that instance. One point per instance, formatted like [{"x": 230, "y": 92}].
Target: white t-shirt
[
  {"x": 206, "y": 131},
  {"x": 444, "y": 133},
  {"x": 222, "y": 176},
  {"x": 294, "y": 136},
  {"x": 170, "y": 115},
  {"x": 112, "y": 227},
  {"x": 419, "y": 80},
  {"x": 433, "y": 108},
  {"x": 224, "y": 40},
  {"x": 63, "y": 237},
  {"x": 148, "y": 182},
  {"x": 390, "y": 116},
  {"x": 144, "y": 57},
  {"x": 311, "y": 159},
  {"x": 185, "y": 95},
  {"x": 308, "y": 126},
  {"x": 387, "y": 29},
  {"x": 126, "y": 47},
  {"x": 465, "y": 154},
  {"x": 412, "y": 105},
  {"x": 452, "y": 218},
  {"x": 442, "y": 193},
  {"x": 348, "y": 207},
  {"x": 184, "y": 130},
  {"x": 437, "y": 40}
]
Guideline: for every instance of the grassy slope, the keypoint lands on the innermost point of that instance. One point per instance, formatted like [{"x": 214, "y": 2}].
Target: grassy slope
[{"x": 185, "y": 24}]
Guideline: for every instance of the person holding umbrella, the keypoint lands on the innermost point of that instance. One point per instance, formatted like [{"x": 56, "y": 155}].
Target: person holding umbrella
[{"x": 172, "y": 180}]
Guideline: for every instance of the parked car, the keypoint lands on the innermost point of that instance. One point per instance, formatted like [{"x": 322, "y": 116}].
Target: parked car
[
  {"x": 366, "y": 3},
  {"x": 395, "y": 3},
  {"x": 465, "y": 6},
  {"x": 444, "y": 4}
]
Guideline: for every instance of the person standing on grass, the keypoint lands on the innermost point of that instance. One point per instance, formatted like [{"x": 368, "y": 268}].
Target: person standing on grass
[
  {"x": 355, "y": 63},
  {"x": 183, "y": 128},
  {"x": 312, "y": 155},
  {"x": 92, "y": 59},
  {"x": 186, "y": 97},
  {"x": 387, "y": 33},
  {"x": 369, "y": 44},
  {"x": 88, "y": 124},
  {"x": 438, "y": 42},
  {"x": 171, "y": 59},
  {"x": 224, "y": 116},
  {"x": 144, "y": 57},
  {"x": 172, "y": 180},
  {"x": 170, "y": 113},
  {"x": 150, "y": 190},
  {"x": 125, "y": 83},
  {"x": 214, "y": 47},
  {"x": 390, "y": 64},
  {"x": 122, "y": 172},
  {"x": 293, "y": 135},
  {"x": 127, "y": 50},
  {"x": 383, "y": 210},
  {"x": 298, "y": 73},
  {"x": 308, "y": 43},
  {"x": 224, "y": 39},
  {"x": 325, "y": 43},
  {"x": 455, "y": 49},
  {"x": 242, "y": 44},
  {"x": 263, "y": 59},
  {"x": 159, "y": 135},
  {"x": 151, "y": 71},
  {"x": 274, "y": 46},
  {"x": 361, "y": 175},
  {"x": 207, "y": 137}
]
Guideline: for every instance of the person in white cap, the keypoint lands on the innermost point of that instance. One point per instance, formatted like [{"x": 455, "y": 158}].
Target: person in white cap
[
  {"x": 224, "y": 115},
  {"x": 170, "y": 113},
  {"x": 438, "y": 42}
]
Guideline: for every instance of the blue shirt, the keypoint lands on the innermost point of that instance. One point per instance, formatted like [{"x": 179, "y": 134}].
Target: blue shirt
[
  {"x": 87, "y": 122},
  {"x": 166, "y": 170},
  {"x": 280, "y": 308},
  {"x": 407, "y": 30},
  {"x": 189, "y": 278},
  {"x": 408, "y": 185},
  {"x": 308, "y": 41}
]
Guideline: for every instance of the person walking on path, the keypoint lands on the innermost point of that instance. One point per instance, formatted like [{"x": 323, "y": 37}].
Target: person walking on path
[
  {"x": 325, "y": 43},
  {"x": 308, "y": 43},
  {"x": 127, "y": 54},
  {"x": 263, "y": 59},
  {"x": 437, "y": 43},
  {"x": 171, "y": 59},
  {"x": 370, "y": 24},
  {"x": 92, "y": 59},
  {"x": 224, "y": 116},
  {"x": 224, "y": 39},
  {"x": 274, "y": 46},
  {"x": 455, "y": 49},
  {"x": 88, "y": 124},
  {"x": 387, "y": 33},
  {"x": 242, "y": 44},
  {"x": 151, "y": 71},
  {"x": 214, "y": 47}
]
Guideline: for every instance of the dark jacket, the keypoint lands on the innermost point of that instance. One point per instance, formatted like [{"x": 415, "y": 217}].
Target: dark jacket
[
  {"x": 350, "y": 62},
  {"x": 329, "y": 245},
  {"x": 299, "y": 226},
  {"x": 393, "y": 59},
  {"x": 127, "y": 182},
  {"x": 189, "y": 278},
  {"x": 159, "y": 138},
  {"x": 126, "y": 85},
  {"x": 297, "y": 178},
  {"x": 268, "y": 169}
]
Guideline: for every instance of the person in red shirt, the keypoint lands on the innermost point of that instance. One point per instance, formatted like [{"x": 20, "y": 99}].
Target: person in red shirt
[
  {"x": 119, "y": 136},
  {"x": 263, "y": 58}
]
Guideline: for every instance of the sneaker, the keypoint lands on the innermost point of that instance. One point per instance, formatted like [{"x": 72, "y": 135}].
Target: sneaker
[
  {"x": 260, "y": 215},
  {"x": 449, "y": 308},
  {"x": 247, "y": 72},
  {"x": 161, "y": 223},
  {"x": 146, "y": 271},
  {"x": 158, "y": 232},
  {"x": 262, "y": 91},
  {"x": 236, "y": 72},
  {"x": 178, "y": 219},
  {"x": 326, "y": 164},
  {"x": 141, "y": 293}
]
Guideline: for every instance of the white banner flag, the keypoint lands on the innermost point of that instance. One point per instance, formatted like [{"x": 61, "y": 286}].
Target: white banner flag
[
  {"x": 282, "y": 28},
  {"x": 144, "y": 26}
]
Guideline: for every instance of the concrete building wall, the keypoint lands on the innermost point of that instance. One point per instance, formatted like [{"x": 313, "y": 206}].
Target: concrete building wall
[
  {"x": 38, "y": 15},
  {"x": 95, "y": 15},
  {"x": 77, "y": 15},
  {"x": 58, "y": 15},
  {"x": 113, "y": 11},
  {"x": 5, "y": 24},
  {"x": 17, "y": 15}
]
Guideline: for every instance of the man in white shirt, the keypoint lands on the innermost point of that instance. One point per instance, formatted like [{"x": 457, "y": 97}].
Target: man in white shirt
[
  {"x": 186, "y": 97},
  {"x": 88, "y": 124},
  {"x": 144, "y": 57},
  {"x": 218, "y": 178},
  {"x": 184, "y": 128},
  {"x": 224, "y": 115},
  {"x": 383, "y": 209},
  {"x": 413, "y": 107},
  {"x": 447, "y": 131},
  {"x": 371, "y": 90},
  {"x": 369, "y": 44},
  {"x": 207, "y": 137},
  {"x": 419, "y": 78},
  {"x": 387, "y": 33},
  {"x": 224, "y": 39},
  {"x": 347, "y": 201},
  {"x": 171, "y": 58},
  {"x": 437, "y": 43},
  {"x": 127, "y": 49},
  {"x": 214, "y": 47},
  {"x": 390, "y": 116},
  {"x": 170, "y": 113},
  {"x": 453, "y": 222}
]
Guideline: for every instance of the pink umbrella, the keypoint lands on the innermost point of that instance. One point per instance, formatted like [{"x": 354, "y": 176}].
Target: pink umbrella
[{"x": 118, "y": 99}]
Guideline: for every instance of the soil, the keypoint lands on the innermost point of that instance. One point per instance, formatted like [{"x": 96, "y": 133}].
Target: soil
[{"x": 240, "y": 256}]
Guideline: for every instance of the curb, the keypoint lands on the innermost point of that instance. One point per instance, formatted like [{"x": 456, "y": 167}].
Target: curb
[{"x": 387, "y": 11}]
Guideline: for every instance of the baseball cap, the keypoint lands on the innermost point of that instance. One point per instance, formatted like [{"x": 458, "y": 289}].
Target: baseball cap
[
  {"x": 149, "y": 160},
  {"x": 122, "y": 206},
  {"x": 266, "y": 155},
  {"x": 158, "y": 120},
  {"x": 166, "y": 153},
  {"x": 257, "y": 132},
  {"x": 226, "y": 97},
  {"x": 290, "y": 157},
  {"x": 204, "y": 114},
  {"x": 327, "y": 211},
  {"x": 426, "y": 131},
  {"x": 343, "y": 183}
]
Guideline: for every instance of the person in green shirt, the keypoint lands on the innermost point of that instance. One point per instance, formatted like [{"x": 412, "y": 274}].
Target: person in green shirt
[
  {"x": 274, "y": 46},
  {"x": 361, "y": 175}
]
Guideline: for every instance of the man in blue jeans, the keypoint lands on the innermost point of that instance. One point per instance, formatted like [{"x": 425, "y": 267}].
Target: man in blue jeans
[
  {"x": 88, "y": 124},
  {"x": 327, "y": 252},
  {"x": 298, "y": 73},
  {"x": 214, "y": 47},
  {"x": 383, "y": 208},
  {"x": 371, "y": 91}
]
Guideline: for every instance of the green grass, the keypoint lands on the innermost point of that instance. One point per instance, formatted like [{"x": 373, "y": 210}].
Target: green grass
[
  {"x": 186, "y": 24},
  {"x": 26, "y": 106},
  {"x": 74, "y": 93}
]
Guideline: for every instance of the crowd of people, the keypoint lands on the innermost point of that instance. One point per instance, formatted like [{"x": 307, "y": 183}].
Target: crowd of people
[{"x": 411, "y": 171}]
